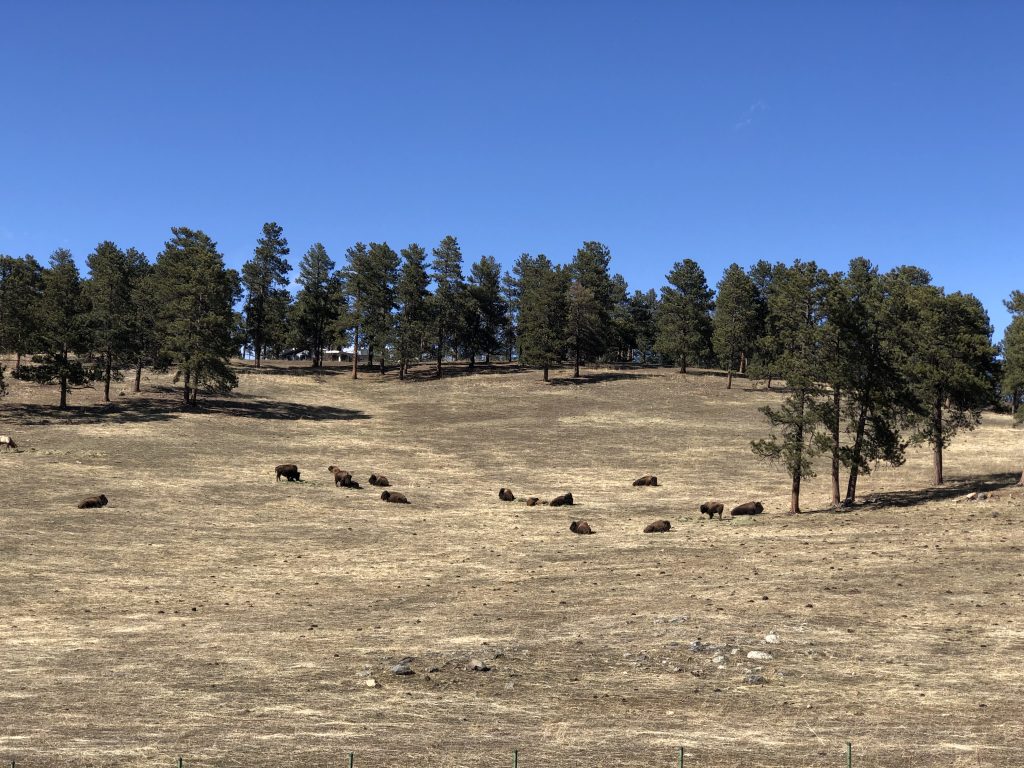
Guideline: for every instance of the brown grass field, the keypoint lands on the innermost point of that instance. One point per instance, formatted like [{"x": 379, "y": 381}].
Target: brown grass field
[{"x": 214, "y": 613}]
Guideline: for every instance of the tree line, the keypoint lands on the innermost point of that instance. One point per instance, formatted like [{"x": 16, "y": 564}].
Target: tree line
[{"x": 871, "y": 362}]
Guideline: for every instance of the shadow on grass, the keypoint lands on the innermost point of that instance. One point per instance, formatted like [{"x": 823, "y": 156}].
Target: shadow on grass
[
  {"x": 166, "y": 406},
  {"x": 952, "y": 489},
  {"x": 599, "y": 378}
]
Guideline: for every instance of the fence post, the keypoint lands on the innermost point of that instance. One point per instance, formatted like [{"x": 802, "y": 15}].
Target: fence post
[
  {"x": 681, "y": 757},
  {"x": 849, "y": 754},
  {"x": 181, "y": 762},
  {"x": 515, "y": 758},
  {"x": 351, "y": 759}
]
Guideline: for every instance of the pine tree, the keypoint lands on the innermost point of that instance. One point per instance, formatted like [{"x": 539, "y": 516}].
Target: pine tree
[
  {"x": 143, "y": 326},
  {"x": 1013, "y": 355},
  {"x": 487, "y": 308},
  {"x": 582, "y": 322},
  {"x": 951, "y": 365},
  {"x": 21, "y": 293},
  {"x": 797, "y": 304},
  {"x": 412, "y": 295},
  {"x": 589, "y": 268},
  {"x": 378, "y": 320},
  {"x": 735, "y": 323},
  {"x": 109, "y": 293},
  {"x": 768, "y": 346},
  {"x": 542, "y": 289},
  {"x": 315, "y": 310},
  {"x": 448, "y": 308},
  {"x": 643, "y": 311},
  {"x": 355, "y": 287},
  {"x": 265, "y": 278},
  {"x": 684, "y": 315},
  {"x": 63, "y": 328},
  {"x": 197, "y": 322}
]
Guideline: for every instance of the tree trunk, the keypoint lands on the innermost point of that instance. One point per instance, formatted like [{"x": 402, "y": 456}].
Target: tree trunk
[
  {"x": 937, "y": 437},
  {"x": 188, "y": 392},
  {"x": 769, "y": 381},
  {"x": 355, "y": 353},
  {"x": 64, "y": 380},
  {"x": 401, "y": 369},
  {"x": 794, "y": 500},
  {"x": 728, "y": 380},
  {"x": 743, "y": 362},
  {"x": 440, "y": 352},
  {"x": 858, "y": 443},
  {"x": 1021, "y": 481},
  {"x": 106, "y": 377},
  {"x": 258, "y": 347},
  {"x": 576, "y": 369},
  {"x": 794, "y": 497},
  {"x": 835, "y": 447},
  {"x": 472, "y": 360},
  {"x": 17, "y": 365},
  {"x": 383, "y": 370},
  {"x": 682, "y": 365},
  {"x": 545, "y": 373},
  {"x": 369, "y": 356},
  {"x": 138, "y": 378}
]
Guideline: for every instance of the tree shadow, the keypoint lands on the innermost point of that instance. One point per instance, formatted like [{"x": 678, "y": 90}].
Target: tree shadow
[
  {"x": 599, "y": 378},
  {"x": 293, "y": 370},
  {"x": 953, "y": 488},
  {"x": 253, "y": 408}
]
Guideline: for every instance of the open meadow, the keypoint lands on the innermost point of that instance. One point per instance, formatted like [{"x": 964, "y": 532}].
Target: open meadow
[{"x": 214, "y": 613}]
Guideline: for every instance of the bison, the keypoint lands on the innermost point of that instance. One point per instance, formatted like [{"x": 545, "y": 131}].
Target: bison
[
  {"x": 379, "y": 480},
  {"x": 8, "y": 442},
  {"x": 712, "y": 508},
  {"x": 533, "y": 501},
  {"x": 646, "y": 480},
  {"x": 93, "y": 502},
  {"x": 394, "y": 498},
  {"x": 505, "y": 494},
  {"x": 658, "y": 526},
  {"x": 565, "y": 500},
  {"x": 289, "y": 472},
  {"x": 580, "y": 526},
  {"x": 342, "y": 478},
  {"x": 750, "y": 508}
]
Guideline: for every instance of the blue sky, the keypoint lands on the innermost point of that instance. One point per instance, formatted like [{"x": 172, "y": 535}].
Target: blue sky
[{"x": 720, "y": 132}]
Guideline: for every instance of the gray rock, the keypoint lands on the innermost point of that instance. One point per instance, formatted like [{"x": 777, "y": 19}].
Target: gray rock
[
  {"x": 402, "y": 669},
  {"x": 478, "y": 666},
  {"x": 760, "y": 655},
  {"x": 755, "y": 679}
]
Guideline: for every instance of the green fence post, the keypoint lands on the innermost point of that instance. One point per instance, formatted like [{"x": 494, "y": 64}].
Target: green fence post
[
  {"x": 849, "y": 754},
  {"x": 680, "y": 757},
  {"x": 351, "y": 759},
  {"x": 181, "y": 762},
  {"x": 515, "y": 758}
]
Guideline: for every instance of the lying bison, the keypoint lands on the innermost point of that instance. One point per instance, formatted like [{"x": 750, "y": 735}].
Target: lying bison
[
  {"x": 565, "y": 500},
  {"x": 289, "y": 472},
  {"x": 580, "y": 526},
  {"x": 750, "y": 508},
  {"x": 646, "y": 480},
  {"x": 533, "y": 501},
  {"x": 342, "y": 478},
  {"x": 505, "y": 494},
  {"x": 93, "y": 502},
  {"x": 658, "y": 526},
  {"x": 712, "y": 508},
  {"x": 394, "y": 498},
  {"x": 379, "y": 480}
]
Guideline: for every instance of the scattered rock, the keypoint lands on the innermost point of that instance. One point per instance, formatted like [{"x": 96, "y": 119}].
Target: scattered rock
[
  {"x": 771, "y": 638},
  {"x": 478, "y": 666},
  {"x": 698, "y": 647},
  {"x": 402, "y": 669},
  {"x": 371, "y": 683},
  {"x": 755, "y": 679},
  {"x": 719, "y": 659},
  {"x": 760, "y": 655}
]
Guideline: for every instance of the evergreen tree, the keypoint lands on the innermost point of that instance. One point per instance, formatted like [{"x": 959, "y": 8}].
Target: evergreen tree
[
  {"x": 355, "y": 280},
  {"x": 378, "y": 321},
  {"x": 736, "y": 318},
  {"x": 643, "y": 311},
  {"x": 21, "y": 293},
  {"x": 951, "y": 365},
  {"x": 412, "y": 295},
  {"x": 1013, "y": 355},
  {"x": 589, "y": 268},
  {"x": 582, "y": 322},
  {"x": 768, "y": 345},
  {"x": 109, "y": 294},
  {"x": 448, "y": 307},
  {"x": 684, "y": 315},
  {"x": 514, "y": 283},
  {"x": 315, "y": 309},
  {"x": 63, "y": 328},
  {"x": 143, "y": 325},
  {"x": 797, "y": 304},
  {"x": 487, "y": 308},
  {"x": 265, "y": 278},
  {"x": 197, "y": 322},
  {"x": 542, "y": 315},
  {"x": 621, "y": 333}
]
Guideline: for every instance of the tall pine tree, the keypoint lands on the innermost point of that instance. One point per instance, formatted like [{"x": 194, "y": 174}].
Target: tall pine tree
[
  {"x": 265, "y": 278},
  {"x": 315, "y": 310},
  {"x": 684, "y": 315},
  {"x": 412, "y": 295},
  {"x": 448, "y": 299},
  {"x": 735, "y": 325},
  {"x": 21, "y": 293}
]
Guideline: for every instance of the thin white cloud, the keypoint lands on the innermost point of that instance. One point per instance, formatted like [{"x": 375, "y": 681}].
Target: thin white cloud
[{"x": 753, "y": 111}]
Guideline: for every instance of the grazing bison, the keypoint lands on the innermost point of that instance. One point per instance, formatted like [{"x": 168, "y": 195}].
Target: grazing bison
[
  {"x": 8, "y": 442},
  {"x": 505, "y": 494},
  {"x": 289, "y": 472},
  {"x": 658, "y": 526},
  {"x": 93, "y": 502},
  {"x": 379, "y": 480},
  {"x": 533, "y": 501},
  {"x": 394, "y": 498},
  {"x": 646, "y": 480},
  {"x": 342, "y": 478},
  {"x": 565, "y": 500},
  {"x": 712, "y": 508},
  {"x": 580, "y": 526},
  {"x": 750, "y": 508}
]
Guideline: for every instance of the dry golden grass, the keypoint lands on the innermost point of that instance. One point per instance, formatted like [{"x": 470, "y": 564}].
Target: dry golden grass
[{"x": 211, "y": 612}]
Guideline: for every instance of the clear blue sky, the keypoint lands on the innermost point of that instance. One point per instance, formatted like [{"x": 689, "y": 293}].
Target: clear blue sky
[{"x": 717, "y": 131}]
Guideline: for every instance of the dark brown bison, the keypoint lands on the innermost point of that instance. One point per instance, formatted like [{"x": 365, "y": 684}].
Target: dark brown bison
[
  {"x": 646, "y": 480},
  {"x": 750, "y": 508},
  {"x": 342, "y": 478},
  {"x": 533, "y": 501},
  {"x": 394, "y": 498},
  {"x": 658, "y": 526},
  {"x": 712, "y": 508},
  {"x": 93, "y": 502},
  {"x": 505, "y": 494},
  {"x": 379, "y": 480},
  {"x": 289, "y": 472},
  {"x": 565, "y": 500},
  {"x": 580, "y": 526}
]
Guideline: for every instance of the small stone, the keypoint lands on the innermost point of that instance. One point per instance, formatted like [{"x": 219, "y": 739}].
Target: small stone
[
  {"x": 719, "y": 659},
  {"x": 755, "y": 679},
  {"x": 402, "y": 669},
  {"x": 478, "y": 666},
  {"x": 771, "y": 638},
  {"x": 760, "y": 655},
  {"x": 371, "y": 683},
  {"x": 434, "y": 669}
]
